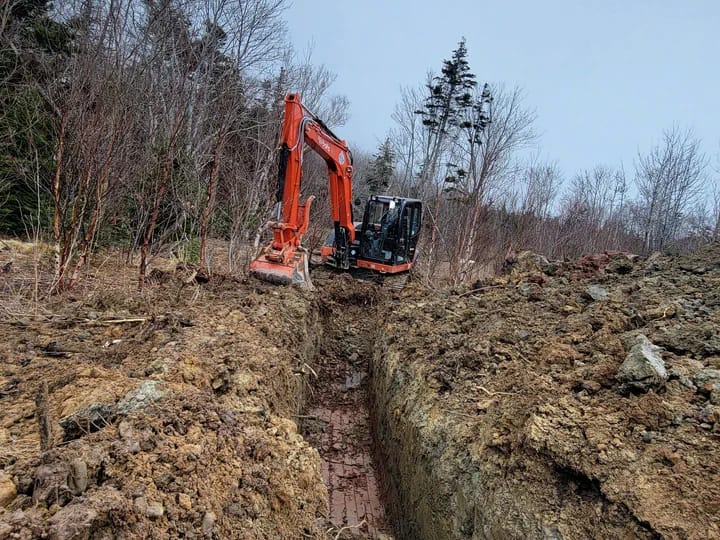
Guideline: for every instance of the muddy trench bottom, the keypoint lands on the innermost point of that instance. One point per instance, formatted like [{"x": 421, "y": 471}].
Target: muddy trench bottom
[{"x": 337, "y": 421}]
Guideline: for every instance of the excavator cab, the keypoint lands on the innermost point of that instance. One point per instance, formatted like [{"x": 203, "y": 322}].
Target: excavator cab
[
  {"x": 386, "y": 239},
  {"x": 389, "y": 234}
]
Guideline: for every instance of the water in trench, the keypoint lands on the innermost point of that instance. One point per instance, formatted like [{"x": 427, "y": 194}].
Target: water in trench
[{"x": 337, "y": 418}]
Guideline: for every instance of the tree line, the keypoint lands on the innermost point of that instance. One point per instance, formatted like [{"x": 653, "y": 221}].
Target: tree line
[
  {"x": 466, "y": 149},
  {"x": 149, "y": 124},
  {"x": 145, "y": 123}
]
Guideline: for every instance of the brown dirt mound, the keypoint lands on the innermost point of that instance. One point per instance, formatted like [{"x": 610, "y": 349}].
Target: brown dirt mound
[
  {"x": 505, "y": 414},
  {"x": 170, "y": 415}
]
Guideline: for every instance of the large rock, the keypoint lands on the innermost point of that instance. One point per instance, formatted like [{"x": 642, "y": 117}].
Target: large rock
[
  {"x": 89, "y": 419},
  {"x": 141, "y": 397},
  {"x": 643, "y": 367},
  {"x": 150, "y": 508},
  {"x": 526, "y": 262},
  {"x": 707, "y": 375},
  {"x": 597, "y": 293}
]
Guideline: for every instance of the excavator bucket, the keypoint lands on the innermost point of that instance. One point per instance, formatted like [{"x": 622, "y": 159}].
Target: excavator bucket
[{"x": 295, "y": 271}]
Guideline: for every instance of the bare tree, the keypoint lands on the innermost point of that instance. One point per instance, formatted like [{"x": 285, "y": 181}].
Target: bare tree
[{"x": 668, "y": 178}]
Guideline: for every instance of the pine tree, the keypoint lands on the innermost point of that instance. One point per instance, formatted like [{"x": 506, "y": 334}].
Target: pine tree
[
  {"x": 450, "y": 97},
  {"x": 32, "y": 46},
  {"x": 450, "y": 94},
  {"x": 382, "y": 168}
]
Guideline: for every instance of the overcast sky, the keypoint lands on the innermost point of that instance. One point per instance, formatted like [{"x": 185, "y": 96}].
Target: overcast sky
[{"x": 605, "y": 77}]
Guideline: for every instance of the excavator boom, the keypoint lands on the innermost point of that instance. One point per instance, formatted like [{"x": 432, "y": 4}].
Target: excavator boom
[{"x": 285, "y": 260}]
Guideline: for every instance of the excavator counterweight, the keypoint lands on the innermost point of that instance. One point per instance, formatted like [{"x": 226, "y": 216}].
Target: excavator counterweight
[{"x": 387, "y": 238}]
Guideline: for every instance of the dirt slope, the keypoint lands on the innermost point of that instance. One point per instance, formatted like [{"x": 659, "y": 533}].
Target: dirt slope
[
  {"x": 505, "y": 414},
  {"x": 176, "y": 425}
]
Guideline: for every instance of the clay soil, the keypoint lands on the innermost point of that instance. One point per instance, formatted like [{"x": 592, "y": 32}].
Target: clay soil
[
  {"x": 503, "y": 416},
  {"x": 171, "y": 413},
  {"x": 337, "y": 417}
]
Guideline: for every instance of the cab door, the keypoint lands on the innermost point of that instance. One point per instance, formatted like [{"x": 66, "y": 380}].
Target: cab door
[
  {"x": 409, "y": 232},
  {"x": 414, "y": 229}
]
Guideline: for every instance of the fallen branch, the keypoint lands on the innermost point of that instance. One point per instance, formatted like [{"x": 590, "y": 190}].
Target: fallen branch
[
  {"x": 122, "y": 321},
  {"x": 489, "y": 393}
]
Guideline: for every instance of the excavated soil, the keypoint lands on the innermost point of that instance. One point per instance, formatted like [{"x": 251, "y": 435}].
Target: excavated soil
[
  {"x": 236, "y": 409},
  {"x": 171, "y": 414},
  {"x": 503, "y": 415}
]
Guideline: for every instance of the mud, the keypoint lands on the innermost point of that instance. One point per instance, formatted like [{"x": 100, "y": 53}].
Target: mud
[
  {"x": 504, "y": 415},
  {"x": 526, "y": 406}
]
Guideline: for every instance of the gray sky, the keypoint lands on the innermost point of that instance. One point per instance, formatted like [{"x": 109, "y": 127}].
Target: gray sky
[{"x": 604, "y": 76}]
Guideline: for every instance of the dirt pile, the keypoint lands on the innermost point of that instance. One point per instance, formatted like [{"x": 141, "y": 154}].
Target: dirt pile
[
  {"x": 560, "y": 400},
  {"x": 169, "y": 415}
]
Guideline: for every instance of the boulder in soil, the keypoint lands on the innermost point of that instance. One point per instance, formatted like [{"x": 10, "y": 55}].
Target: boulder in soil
[
  {"x": 141, "y": 397},
  {"x": 597, "y": 293},
  {"x": 643, "y": 367}
]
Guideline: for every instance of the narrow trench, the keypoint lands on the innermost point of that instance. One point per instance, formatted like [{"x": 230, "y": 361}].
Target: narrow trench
[{"x": 337, "y": 416}]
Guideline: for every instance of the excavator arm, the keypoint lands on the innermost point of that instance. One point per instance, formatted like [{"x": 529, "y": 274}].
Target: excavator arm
[{"x": 285, "y": 260}]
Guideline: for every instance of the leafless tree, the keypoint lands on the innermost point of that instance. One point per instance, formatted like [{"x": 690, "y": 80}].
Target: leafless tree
[{"x": 669, "y": 178}]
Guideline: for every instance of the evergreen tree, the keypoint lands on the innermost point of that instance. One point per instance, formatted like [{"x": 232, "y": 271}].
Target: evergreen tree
[
  {"x": 450, "y": 97},
  {"x": 30, "y": 45},
  {"x": 382, "y": 168},
  {"x": 450, "y": 94}
]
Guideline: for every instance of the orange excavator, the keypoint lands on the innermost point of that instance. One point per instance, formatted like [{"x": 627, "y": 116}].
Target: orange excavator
[{"x": 385, "y": 241}]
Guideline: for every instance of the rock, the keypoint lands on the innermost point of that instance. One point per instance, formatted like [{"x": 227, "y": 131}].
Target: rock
[
  {"x": 643, "y": 367},
  {"x": 50, "y": 483},
  {"x": 709, "y": 414},
  {"x": 648, "y": 436},
  {"x": 78, "y": 477},
  {"x": 140, "y": 397},
  {"x": 89, "y": 419},
  {"x": 620, "y": 264},
  {"x": 151, "y": 509},
  {"x": 597, "y": 293},
  {"x": 184, "y": 501},
  {"x": 591, "y": 387},
  {"x": 72, "y": 522},
  {"x": 526, "y": 262},
  {"x": 208, "y": 523},
  {"x": 531, "y": 291},
  {"x": 707, "y": 375},
  {"x": 715, "y": 394},
  {"x": 8, "y": 491}
]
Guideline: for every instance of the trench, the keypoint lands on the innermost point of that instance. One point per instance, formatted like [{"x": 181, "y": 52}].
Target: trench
[{"x": 337, "y": 416}]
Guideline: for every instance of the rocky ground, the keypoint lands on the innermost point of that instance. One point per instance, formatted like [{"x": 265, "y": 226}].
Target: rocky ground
[
  {"x": 169, "y": 414},
  {"x": 560, "y": 400}
]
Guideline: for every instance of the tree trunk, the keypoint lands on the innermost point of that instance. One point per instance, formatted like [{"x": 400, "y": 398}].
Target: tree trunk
[
  {"x": 150, "y": 228},
  {"x": 56, "y": 197},
  {"x": 209, "y": 204}
]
